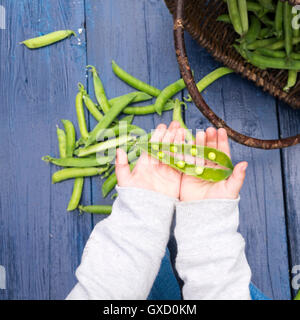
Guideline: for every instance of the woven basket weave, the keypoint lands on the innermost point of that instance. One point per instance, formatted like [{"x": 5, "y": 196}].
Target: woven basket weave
[
  {"x": 198, "y": 17},
  {"x": 218, "y": 37}
]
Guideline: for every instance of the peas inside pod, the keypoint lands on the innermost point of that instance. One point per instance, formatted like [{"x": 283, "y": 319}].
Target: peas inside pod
[{"x": 166, "y": 153}]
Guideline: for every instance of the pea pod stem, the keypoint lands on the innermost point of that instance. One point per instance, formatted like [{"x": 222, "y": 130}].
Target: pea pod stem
[
  {"x": 76, "y": 194},
  {"x": 48, "y": 39},
  {"x": 70, "y": 137},
  {"x": 96, "y": 209},
  {"x": 99, "y": 90},
  {"x": 134, "y": 82},
  {"x": 168, "y": 93},
  {"x": 71, "y": 173},
  {"x": 80, "y": 113},
  {"x": 62, "y": 142},
  {"x": 108, "y": 118}
]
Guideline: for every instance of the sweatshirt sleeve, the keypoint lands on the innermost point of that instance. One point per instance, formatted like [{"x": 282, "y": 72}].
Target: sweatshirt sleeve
[
  {"x": 211, "y": 253},
  {"x": 123, "y": 254}
]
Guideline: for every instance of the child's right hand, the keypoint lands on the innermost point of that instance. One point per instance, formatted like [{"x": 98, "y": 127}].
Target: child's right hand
[{"x": 193, "y": 189}]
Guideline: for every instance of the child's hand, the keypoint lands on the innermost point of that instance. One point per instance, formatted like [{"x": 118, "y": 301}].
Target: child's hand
[
  {"x": 196, "y": 189},
  {"x": 149, "y": 173}
]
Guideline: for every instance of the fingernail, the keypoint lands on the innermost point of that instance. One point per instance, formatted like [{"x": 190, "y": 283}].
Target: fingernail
[{"x": 245, "y": 166}]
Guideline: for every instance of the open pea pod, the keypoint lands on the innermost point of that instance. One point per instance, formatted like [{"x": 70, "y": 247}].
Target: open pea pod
[{"x": 163, "y": 152}]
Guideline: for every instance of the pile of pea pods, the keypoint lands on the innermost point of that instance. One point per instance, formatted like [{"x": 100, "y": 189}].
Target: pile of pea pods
[
  {"x": 269, "y": 34},
  {"x": 94, "y": 152}
]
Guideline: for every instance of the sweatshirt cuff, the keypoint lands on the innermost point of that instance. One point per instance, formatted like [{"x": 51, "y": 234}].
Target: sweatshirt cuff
[{"x": 150, "y": 206}]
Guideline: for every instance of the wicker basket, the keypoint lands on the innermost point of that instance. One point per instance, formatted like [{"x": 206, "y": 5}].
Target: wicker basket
[{"x": 198, "y": 17}]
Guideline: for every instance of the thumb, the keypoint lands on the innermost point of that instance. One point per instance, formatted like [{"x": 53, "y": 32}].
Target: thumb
[
  {"x": 236, "y": 180},
  {"x": 122, "y": 168}
]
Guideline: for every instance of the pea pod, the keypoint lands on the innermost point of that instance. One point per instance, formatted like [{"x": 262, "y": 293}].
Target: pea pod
[
  {"x": 242, "y": 4},
  {"x": 48, "y": 39},
  {"x": 265, "y": 33},
  {"x": 134, "y": 82},
  {"x": 62, "y": 142},
  {"x": 99, "y": 90},
  {"x": 80, "y": 113},
  {"x": 261, "y": 43},
  {"x": 103, "y": 146},
  {"x": 70, "y": 137},
  {"x": 267, "y": 4},
  {"x": 279, "y": 19},
  {"x": 71, "y": 173},
  {"x": 280, "y": 44},
  {"x": 271, "y": 53},
  {"x": 287, "y": 25},
  {"x": 91, "y": 106},
  {"x": 235, "y": 16},
  {"x": 97, "y": 209},
  {"x": 143, "y": 110},
  {"x": 254, "y": 30},
  {"x": 159, "y": 150},
  {"x": 297, "y": 296},
  {"x": 209, "y": 79},
  {"x": 79, "y": 162},
  {"x": 76, "y": 194},
  {"x": 292, "y": 79},
  {"x": 137, "y": 96},
  {"x": 177, "y": 116},
  {"x": 224, "y": 18},
  {"x": 107, "y": 120}
]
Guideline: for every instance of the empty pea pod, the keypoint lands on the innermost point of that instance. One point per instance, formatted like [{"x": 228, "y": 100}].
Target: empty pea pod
[
  {"x": 71, "y": 173},
  {"x": 79, "y": 162},
  {"x": 96, "y": 209},
  {"x": 134, "y": 82},
  {"x": 70, "y": 137},
  {"x": 76, "y": 194},
  {"x": 99, "y": 90},
  {"x": 48, "y": 39},
  {"x": 108, "y": 118},
  {"x": 62, "y": 142},
  {"x": 205, "y": 173},
  {"x": 168, "y": 93},
  {"x": 80, "y": 113}
]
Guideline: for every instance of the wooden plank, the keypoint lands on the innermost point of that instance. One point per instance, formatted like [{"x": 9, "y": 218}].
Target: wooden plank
[
  {"x": 289, "y": 125},
  {"x": 40, "y": 242},
  {"x": 137, "y": 35},
  {"x": 262, "y": 221}
]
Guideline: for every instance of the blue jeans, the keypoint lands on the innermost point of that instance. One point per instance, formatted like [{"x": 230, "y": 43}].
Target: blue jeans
[{"x": 166, "y": 286}]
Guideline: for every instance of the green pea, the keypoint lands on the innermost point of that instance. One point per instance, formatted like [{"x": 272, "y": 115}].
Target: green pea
[
  {"x": 160, "y": 155},
  {"x": 199, "y": 170},
  {"x": 212, "y": 156},
  {"x": 194, "y": 152},
  {"x": 155, "y": 147},
  {"x": 180, "y": 164},
  {"x": 173, "y": 149}
]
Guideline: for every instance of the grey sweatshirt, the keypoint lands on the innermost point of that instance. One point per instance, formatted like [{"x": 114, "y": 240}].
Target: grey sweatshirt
[{"x": 123, "y": 254}]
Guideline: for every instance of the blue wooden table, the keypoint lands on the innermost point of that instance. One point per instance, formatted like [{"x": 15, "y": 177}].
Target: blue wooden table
[{"x": 40, "y": 242}]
